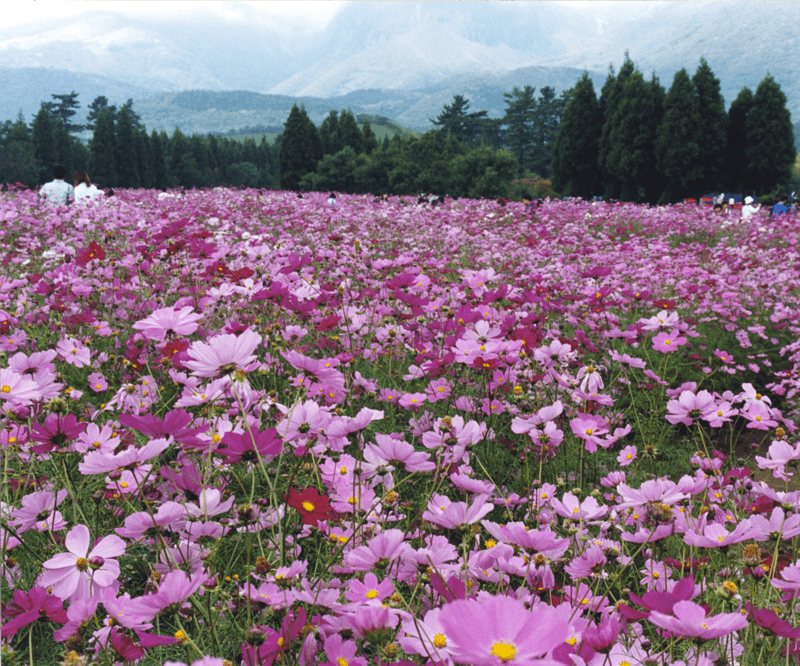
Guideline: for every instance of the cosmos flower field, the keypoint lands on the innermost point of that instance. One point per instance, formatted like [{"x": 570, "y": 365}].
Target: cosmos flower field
[{"x": 247, "y": 427}]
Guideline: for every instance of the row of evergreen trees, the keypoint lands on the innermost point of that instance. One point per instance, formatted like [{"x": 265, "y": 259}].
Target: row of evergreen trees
[
  {"x": 121, "y": 153},
  {"x": 638, "y": 142}
]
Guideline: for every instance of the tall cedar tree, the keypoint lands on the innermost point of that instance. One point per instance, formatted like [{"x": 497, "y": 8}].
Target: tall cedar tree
[
  {"x": 770, "y": 147},
  {"x": 97, "y": 104},
  {"x": 610, "y": 97},
  {"x": 575, "y": 149},
  {"x": 350, "y": 132},
  {"x": 712, "y": 133},
  {"x": 370, "y": 140},
  {"x": 455, "y": 119},
  {"x": 104, "y": 170},
  {"x": 519, "y": 131},
  {"x": 66, "y": 106},
  {"x": 300, "y": 150},
  {"x": 737, "y": 177},
  {"x": 632, "y": 138},
  {"x": 677, "y": 149},
  {"x": 17, "y": 160},
  {"x": 160, "y": 173},
  {"x": 547, "y": 117},
  {"x": 330, "y": 135},
  {"x": 125, "y": 157},
  {"x": 63, "y": 148},
  {"x": 44, "y": 148}
]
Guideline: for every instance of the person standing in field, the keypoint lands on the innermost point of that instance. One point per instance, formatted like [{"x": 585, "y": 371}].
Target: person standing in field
[
  {"x": 748, "y": 210},
  {"x": 84, "y": 190},
  {"x": 781, "y": 206},
  {"x": 57, "y": 192}
]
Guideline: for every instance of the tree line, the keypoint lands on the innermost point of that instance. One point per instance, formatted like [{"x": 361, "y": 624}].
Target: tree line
[
  {"x": 639, "y": 142},
  {"x": 121, "y": 153},
  {"x": 635, "y": 142}
]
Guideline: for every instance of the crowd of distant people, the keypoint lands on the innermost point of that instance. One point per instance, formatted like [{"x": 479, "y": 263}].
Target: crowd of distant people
[
  {"x": 58, "y": 192},
  {"x": 782, "y": 206}
]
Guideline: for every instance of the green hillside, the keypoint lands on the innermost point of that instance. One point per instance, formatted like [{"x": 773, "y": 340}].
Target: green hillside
[{"x": 381, "y": 126}]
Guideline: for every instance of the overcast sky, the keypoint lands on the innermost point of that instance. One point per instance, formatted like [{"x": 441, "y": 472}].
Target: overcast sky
[{"x": 314, "y": 13}]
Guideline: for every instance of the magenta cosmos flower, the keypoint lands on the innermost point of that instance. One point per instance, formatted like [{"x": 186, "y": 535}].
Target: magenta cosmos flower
[
  {"x": 17, "y": 389},
  {"x": 25, "y": 609},
  {"x": 223, "y": 354},
  {"x": 457, "y": 514},
  {"x": 689, "y": 619},
  {"x": 168, "y": 321},
  {"x": 499, "y": 631},
  {"x": 667, "y": 342},
  {"x": 80, "y": 571}
]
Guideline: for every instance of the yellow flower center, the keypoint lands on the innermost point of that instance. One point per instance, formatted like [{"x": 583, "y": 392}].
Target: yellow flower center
[
  {"x": 667, "y": 342},
  {"x": 589, "y": 431},
  {"x": 628, "y": 457},
  {"x": 308, "y": 506},
  {"x": 504, "y": 651},
  {"x": 439, "y": 641},
  {"x": 343, "y": 470},
  {"x": 572, "y": 640},
  {"x": 180, "y": 635},
  {"x": 351, "y": 500},
  {"x": 6, "y": 388},
  {"x": 82, "y": 564},
  {"x": 341, "y": 661},
  {"x": 371, "y": 594}
]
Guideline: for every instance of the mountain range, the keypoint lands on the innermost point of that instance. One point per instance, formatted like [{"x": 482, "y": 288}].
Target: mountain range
[{"x": 404, "y": 60}]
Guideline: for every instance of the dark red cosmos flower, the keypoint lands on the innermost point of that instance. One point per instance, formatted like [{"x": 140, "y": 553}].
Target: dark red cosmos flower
[
  {"x": 770, "y": 621},
  {"x": 94, "y": 251},
  {"x": 25, "y": 609},
  {"x": 659, "y": 601},
  {"x": 238, "y": 447},
  {"x": 56, "y": 431},
  {"x": 312, "y": 506}
]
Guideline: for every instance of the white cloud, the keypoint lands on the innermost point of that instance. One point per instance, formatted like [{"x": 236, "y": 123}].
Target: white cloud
[{"x": 314, "y": 14}]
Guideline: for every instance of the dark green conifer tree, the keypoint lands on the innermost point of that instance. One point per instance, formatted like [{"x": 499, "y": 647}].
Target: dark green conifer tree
[
  {"x": 632, "y": 137},
  {"x": 456, "y": 120},
  {"x": 770, "y": 147},
  {"x": 677, "y": 150},
  {"x": 125, "y": 158},
  {"x": 18, "y": 162},
  {"x": 519, "y": 125},
  {"x": 44, "y": 148},
  {"x": 711, "y": 131},
  {"x": 575, "y": 151},
  {"x": 160, "y": 172},
  {"x": 98, "y": 103},
  {"x": 300, "y": 149},
  {"x": 65, "y": 107},
  {"x": 102, "y": 149},
  {"x": 63, "y": 148},
  {"x": 329, "y": 134},
  {"x": 350, "y": 132},
  {"x": 610, "y": 97},
  {"x": 737, "y": 176},
  {"x": 370, "y": 140},
  {"x": 547, "y": 117}
]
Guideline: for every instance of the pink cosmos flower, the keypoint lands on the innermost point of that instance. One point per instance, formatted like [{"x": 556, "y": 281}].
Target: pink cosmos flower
[
  {"x": 38, "y": 511},
  {"x": 778, "y": 525},
  {"x": 501, "y": 631},
  {"x": 689, "y": 407},
  {"x": 717, "y": 415},
  {"x": 457, "y": 514},
  {"x": 97, "y": 382},
  {"x": 668, "y": 342},
  {"x": 169, "y": 321},
  {"x": 174, "y": 588},
  {"x": 627, "y": 456},
  {"x": 341, "y": 652},
  {"x": 73, "y": 352},
  {"x": 370, "y": 591},
  {"x": 426, "y": 637},
  {"x": 759, "y": 416},
  {"x": 223, "y": 354},
  {"x": 661, "y": 491},
  {"x": 571, "y": 507},
  {"x": 779, "y": 455},
  {"x": 250, "y": 446},
  {"x": 17, "y": 389},
  {"x": 387, "y": 450},
  {"x": 790, "y": 576},
  {"x": 412, "y": 401},
  {"x": 97, "y": 462},
  {"x": 384, "y": 547},
  {"x": 303, "y": 421},
  {"x": 663, "y": 319},
  {"x": 170, "y": 516},
  {"x": 589, "y": 427},
  {"x": 80, "y": 571},
  {"x": 689, "y": 619},
  {"x": 716, "y": 536}
]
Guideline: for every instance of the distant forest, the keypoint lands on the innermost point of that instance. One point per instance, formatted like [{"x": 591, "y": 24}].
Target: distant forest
[{"x": 636, "y": 141}]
